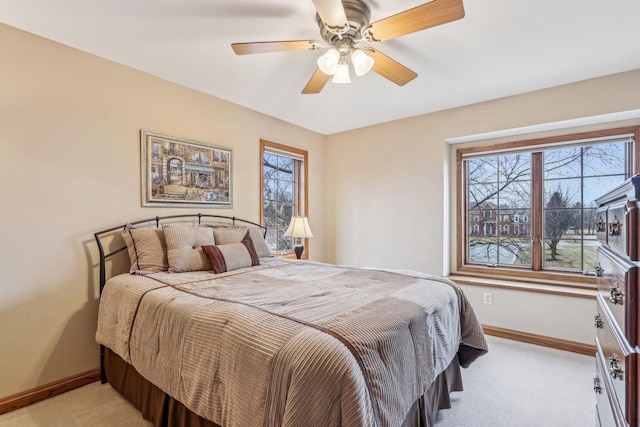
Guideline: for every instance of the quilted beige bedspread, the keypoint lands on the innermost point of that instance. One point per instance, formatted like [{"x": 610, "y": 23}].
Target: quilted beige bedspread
[{"x": 290, "y": 343}]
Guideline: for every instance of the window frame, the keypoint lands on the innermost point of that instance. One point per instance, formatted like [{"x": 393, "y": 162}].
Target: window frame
[
  {"x": 528, "y": 273},
  {"x": 302, "y": 191}
]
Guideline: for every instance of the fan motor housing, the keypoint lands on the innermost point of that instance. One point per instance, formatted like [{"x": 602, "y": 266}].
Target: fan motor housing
[{"x": 358, "y": 15}]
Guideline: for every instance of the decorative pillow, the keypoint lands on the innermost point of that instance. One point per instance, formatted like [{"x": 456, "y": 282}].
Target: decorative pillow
[
  {"x": 147, "y": 249},
  {"x": 184, "y": 250},
  {"x": 232, "y": 256},
  {"x": 236, "y": 233}
]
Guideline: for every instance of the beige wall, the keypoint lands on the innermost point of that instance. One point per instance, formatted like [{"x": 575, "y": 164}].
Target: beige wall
[
  {"x": 391, "y": 193},
  {"x": 69, "y": 139},
  {"x": 552, "y": 316}
]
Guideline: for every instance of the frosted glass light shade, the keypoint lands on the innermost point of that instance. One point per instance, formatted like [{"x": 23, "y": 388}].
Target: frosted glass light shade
[
  {"x": 342, "y": 74},
  {"x": 299, "y": 228},
  {"x": 362, "y": 63},
  {"x": 328, "y": 63}
]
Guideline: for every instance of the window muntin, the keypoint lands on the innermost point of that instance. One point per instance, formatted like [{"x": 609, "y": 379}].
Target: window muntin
[
  {"x": 283, "y": 190},
  {"x": 562, "y": 211}
]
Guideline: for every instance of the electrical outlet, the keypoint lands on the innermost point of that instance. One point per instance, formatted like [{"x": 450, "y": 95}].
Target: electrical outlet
[{"x": 488, "y": 298}]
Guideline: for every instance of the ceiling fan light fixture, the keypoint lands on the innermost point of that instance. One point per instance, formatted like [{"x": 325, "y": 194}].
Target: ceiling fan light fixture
[
  {"x": 328, "y": 63},
  {"x": 362, "y": 63},
  {"x": 342, "y": 73}
]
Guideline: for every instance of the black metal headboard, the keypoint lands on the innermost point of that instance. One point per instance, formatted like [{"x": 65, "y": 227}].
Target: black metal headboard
[{"x": 100, "y": 234}]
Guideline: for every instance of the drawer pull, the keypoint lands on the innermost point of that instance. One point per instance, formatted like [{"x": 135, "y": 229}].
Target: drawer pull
[
  {"x": 599, "y": 270},
  {"x": 616, "y": 294},
  {"x": 597, "y": 321},
  {"x": 614, "y": 227},
  {"x": 596, "y": 385},
  {"x": 615, "y": 369}
]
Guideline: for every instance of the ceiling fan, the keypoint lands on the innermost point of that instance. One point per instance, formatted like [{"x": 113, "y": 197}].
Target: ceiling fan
[{"x": 344, "y": 24}]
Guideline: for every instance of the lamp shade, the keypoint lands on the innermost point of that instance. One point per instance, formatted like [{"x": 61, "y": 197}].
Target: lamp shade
[
  {"x": 362, "y": 63},
  {"x": 328, "y": 63},
  {"x": 342, "y": 74},
  {"x": 299, "y": 228}
]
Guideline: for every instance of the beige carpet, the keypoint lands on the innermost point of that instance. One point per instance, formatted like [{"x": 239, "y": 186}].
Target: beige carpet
[
  {"x": 523, "y": 385},
  {"x": 515, "y": 384},
  {"x": 92, "y": 405}
]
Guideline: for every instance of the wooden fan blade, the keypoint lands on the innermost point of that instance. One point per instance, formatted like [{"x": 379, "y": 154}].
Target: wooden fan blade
[
  {"x": 266, "y": 47},
  {"x": 331, "y": 12},
  {"x": 316, "y": 83},
  {"x": 419, "y": 18},
  {"x": 390, "y": 69}
]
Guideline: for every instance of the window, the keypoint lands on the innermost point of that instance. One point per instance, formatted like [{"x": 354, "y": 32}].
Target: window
[
  {"x": 283, "y": 190},
  {"x": 550, "y": 184}
]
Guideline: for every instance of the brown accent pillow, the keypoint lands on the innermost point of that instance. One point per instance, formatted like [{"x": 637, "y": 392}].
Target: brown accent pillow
[
  {"x": 147, "y": 249},
  {"x": 236, "y": 233},
  {"x": 232, "y": 256},
  {"x": 184, "y": 247}
]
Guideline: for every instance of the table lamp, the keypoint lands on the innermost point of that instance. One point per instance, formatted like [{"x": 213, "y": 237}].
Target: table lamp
[{"x": 299, "y": 229}]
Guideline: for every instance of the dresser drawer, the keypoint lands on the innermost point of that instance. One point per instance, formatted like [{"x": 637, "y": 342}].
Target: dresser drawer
[
  {"x": 608, "y": 412},
  {"x": 621, "y": 229},
  {"x": 617, "y": 285},
  {"x": 619, "y": 365}
]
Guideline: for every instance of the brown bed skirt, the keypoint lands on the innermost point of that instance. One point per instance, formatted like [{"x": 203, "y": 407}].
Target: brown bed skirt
[{"x": 163, "y": 410}]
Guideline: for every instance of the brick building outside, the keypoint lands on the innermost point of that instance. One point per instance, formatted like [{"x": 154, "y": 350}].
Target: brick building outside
[{"x": 488, "y": 220}]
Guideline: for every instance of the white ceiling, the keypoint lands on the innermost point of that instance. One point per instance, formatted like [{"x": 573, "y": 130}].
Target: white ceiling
[{"x": 500, "y": 48}]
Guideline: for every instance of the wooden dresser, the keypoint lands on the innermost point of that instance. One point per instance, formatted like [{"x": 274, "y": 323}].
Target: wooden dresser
[{"x": 616, "y": 320}]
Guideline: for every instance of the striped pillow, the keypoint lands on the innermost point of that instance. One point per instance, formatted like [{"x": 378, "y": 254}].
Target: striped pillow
[
  {"x": 236, "y": 233},
  {"x": 184, "y": 247},
  {"x": 147, "y": 249},
  {"x": 232, "y": 256}
]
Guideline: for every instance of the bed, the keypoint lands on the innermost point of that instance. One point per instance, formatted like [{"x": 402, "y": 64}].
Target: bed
[{"x": 208, "y": 329}]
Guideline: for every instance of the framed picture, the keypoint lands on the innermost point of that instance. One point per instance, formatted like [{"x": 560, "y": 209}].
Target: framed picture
[{"x": 178, "y": 172}]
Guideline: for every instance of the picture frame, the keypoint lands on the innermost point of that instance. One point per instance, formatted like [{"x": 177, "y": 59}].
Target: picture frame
[{"x": 179, "y": 172}]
